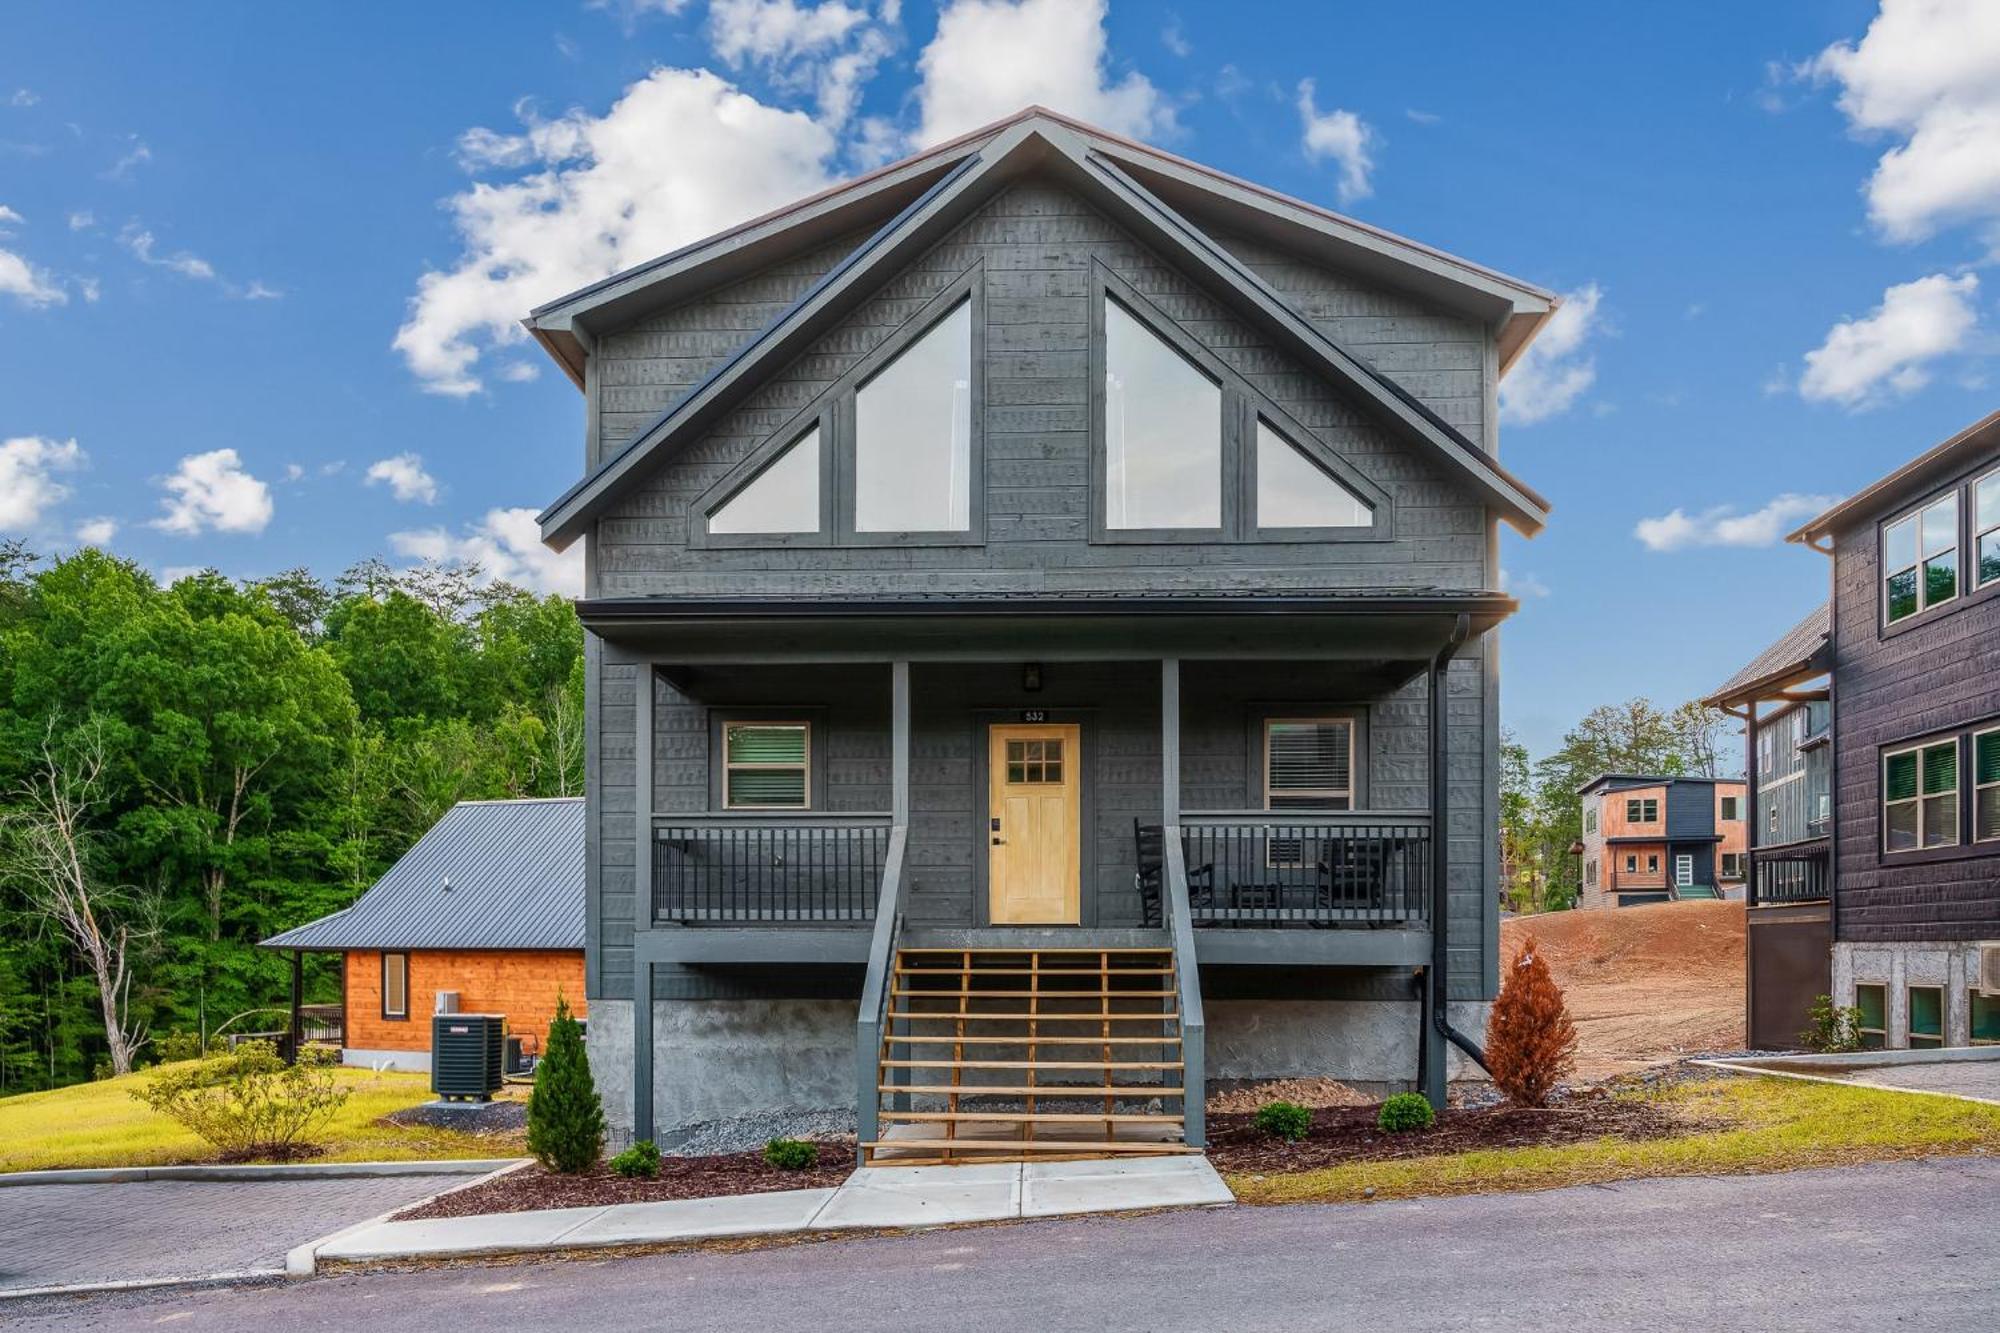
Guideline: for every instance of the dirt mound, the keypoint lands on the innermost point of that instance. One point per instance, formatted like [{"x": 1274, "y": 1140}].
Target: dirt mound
[{"x": 1644, "y": 984}]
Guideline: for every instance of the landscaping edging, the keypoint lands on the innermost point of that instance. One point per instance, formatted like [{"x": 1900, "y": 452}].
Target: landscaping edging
[{"x": 119, "y": 1175}]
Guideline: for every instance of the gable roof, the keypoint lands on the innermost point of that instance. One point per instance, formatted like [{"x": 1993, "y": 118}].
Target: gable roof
[
  {"x": 1036, "y": 141},
  {"x": 1929, "y": 470},
  {"x": 1801, "y": 652},
  {"x": 488, "y": 875}
]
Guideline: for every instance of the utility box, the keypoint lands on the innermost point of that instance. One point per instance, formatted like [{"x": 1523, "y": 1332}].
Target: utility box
[{"x": 467, "y": 1055}]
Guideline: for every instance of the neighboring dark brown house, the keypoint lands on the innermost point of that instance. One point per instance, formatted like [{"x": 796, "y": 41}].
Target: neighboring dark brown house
[{"x": 1899, "y": 889}]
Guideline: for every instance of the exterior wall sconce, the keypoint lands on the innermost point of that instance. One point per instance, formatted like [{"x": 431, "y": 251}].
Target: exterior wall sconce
[{"x": 1031, "y": 678}]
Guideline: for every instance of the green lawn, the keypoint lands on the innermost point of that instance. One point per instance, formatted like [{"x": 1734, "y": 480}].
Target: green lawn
[
  {"x": 101, "y": 1124},
  {"x": 1736, "y": 1126}
]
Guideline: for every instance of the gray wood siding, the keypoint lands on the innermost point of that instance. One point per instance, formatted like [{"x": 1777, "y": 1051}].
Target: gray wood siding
[
  {"x": 1937, "y": 675},
  {"x": 1037, "y": 244},
  {"x": 1790, "y": 781}
]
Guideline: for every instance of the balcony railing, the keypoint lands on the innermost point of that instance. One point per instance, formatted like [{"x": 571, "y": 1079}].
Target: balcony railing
[
  {"x": 768, "y": 869},
  {"x": 1307, "y": 869},
  {"x": 1795, "y": 872}
]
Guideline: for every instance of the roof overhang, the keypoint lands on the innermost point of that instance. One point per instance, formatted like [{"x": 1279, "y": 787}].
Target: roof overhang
[{"x": 1930, "y": 470}]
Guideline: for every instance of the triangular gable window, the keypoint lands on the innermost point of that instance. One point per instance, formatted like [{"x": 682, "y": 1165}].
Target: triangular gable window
[
  {"x": 1293, "y": 491},
  {"x": 913, "y": 435},
  {"x": 783, "y": 498},
  {"x": 1162, "y": 431}
]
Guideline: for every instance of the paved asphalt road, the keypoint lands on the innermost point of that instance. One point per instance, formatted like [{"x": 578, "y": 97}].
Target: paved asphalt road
[
  {"x": 63, "y": 1235},
  {"x": 1910, "y": 1245}
]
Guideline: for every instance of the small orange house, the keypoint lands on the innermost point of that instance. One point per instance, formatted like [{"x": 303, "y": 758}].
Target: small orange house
[{"x": 485, "y": 914}]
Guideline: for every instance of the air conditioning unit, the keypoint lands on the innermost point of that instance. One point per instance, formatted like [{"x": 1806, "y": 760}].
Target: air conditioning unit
[
  {"x": 468, "y": 1054},
  {"x": 447, "y": 1002},
  {"x": 1989, "y": 968}
]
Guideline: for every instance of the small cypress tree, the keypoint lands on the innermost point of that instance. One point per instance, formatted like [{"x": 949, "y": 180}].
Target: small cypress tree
[
  {"x": 1530, "y": 1041},
  {"x": 565, "y": 1117}
]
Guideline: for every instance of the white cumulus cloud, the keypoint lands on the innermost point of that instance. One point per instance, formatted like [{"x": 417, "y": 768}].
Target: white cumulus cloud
[
  {"x": 96, "y": 531},
  {"x": 1340, "y": 137},
  {"x": 990, "y": 58},
  {"x": 830, "y": 47},
  {"x": 681, "y": 154},
  {"x": 1726, "y": 525},
  {"x": 1887, "y": 352},
  {"x": 1927, "y": 75},
  {"x": 1556, "y": 370},
  {"x": 28, "y": 485},
  {"x": 405, "y": 477},
  {"x": 211, "y": 492},
  {"x": 32, "y": 286},
  {"x": 507, "y": 545}
]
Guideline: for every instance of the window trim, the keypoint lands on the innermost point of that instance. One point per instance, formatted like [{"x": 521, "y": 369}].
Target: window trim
[
  {"x": 1880, "y": 1034},
  {"x": 1882, "y": 801},
  {"x": 1728, "y": 873},
  {"x": 1926, "y": 1041},
  {"x": 833, "y": 411},
  {"x": 1242, "y": 405},
  {"x": 1729, "y": 809},
  {"x": 1972, "y": 769},
  {"x": 1973, "y": 532},
  {"x": 395, "y": 1015},
  {"x": 1590, "y": 816},
  {"x": 1311, "y": 718},
  {"x": 1972, "y": 1001},
  {"x": 721, "y": 720},
  {"x": 1640, "y": 803},
  {"x": 1957, "y": 494}
]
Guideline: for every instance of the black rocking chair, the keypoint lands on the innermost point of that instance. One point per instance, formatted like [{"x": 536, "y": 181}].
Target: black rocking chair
[{"x": 1149, "y": 844}]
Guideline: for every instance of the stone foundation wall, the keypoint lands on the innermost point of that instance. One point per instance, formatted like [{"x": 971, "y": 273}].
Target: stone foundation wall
[{"x": 1952, "y": 965}]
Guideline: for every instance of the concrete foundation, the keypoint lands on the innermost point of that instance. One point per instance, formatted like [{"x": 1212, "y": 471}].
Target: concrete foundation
[
  {"x": 413, "y": 1061},
  {"x": 1951, "y": 965},
  {"x": 720, "y": 1059}
]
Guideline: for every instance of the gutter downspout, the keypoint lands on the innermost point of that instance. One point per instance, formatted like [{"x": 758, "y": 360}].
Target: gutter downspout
[{"x": 1440, "y": 969}]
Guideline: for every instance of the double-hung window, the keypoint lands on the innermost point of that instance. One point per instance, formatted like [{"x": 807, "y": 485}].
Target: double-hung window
[
  {"x": 1920, "y": 559},
  {"x": 395, "y": 985},
  {"x": 1309, "y": 763},
  {"x": 1645, "y": 811},
  {"x": 1986, "y": 786},
  {"x": 1986, "y": 530},
  {"x": 1732, "y": 865},
  {"x": 766, "y": 766},
  {"x": 1731, "y": 809},
  {"x": 1590, "y": 818},
  {"x": 1920, "y": 797}
]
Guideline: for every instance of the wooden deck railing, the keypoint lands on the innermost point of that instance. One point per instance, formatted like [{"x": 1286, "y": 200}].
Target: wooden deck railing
[
  {"x": 745, "y": 869},
  {"x": 1307, "y": 869}
]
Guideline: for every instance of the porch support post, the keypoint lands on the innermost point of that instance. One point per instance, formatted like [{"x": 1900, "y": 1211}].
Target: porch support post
[
  {"x": 1170, "y": 741},
  {"x": 298, "y": 996},
  {"x": 1750, "y": 795},
  {"x": 642, "y": 905},
  {"x": 1435, "y": 994},
  {"x": 899, "y": 742}
]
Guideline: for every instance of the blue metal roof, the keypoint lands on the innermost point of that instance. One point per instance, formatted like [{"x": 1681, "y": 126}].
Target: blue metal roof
[{"x": 489, "y": 875}]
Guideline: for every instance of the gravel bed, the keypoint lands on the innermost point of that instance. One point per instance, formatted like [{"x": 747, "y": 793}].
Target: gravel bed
[{"x": 749, "y": 1133}]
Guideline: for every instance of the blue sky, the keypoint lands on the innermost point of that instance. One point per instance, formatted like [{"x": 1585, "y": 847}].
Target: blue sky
[{"x": 219, "y": 345}]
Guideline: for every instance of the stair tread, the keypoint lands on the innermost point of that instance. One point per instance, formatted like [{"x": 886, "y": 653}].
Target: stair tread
[
  {"x": 1022, "y": 994},
  {"x": 978, "y": 971},
  {"x": 1022, "y": 1090},
  {"x": 1023, "y": 1039},
  {"x": 1034, "y": 1117},
  {"x": 999, "y": 950},
  {"x": 1127, "y": 1016},
  {"x": 1028, "y": 1145},
  {"x": 1031, "y": 1064}
]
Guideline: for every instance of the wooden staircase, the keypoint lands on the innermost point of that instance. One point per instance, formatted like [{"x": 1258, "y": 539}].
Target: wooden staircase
[{"x": 997, "y": 1055}]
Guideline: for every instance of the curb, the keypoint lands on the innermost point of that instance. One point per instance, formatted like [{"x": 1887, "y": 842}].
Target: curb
[
  {"x": 125, "y": 1175},
  {"x": 303, "y": 1260},
  {"x": 141, "y": 1284}
]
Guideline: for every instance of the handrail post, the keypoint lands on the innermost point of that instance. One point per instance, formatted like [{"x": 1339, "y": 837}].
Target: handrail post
[
  {"x": 1187, "y": 982},
  {"x": 868, "y": 1025}
]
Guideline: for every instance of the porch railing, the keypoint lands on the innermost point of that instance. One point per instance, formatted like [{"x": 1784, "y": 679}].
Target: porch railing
[
  {"x": 1307, "y": 868},
  {"x": 1794, "y": 872},
  {"x": 744, "y": 869}
]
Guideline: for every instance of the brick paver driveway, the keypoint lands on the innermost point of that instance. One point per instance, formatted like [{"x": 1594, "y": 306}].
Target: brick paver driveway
[{"x": 63, "y": 1234}]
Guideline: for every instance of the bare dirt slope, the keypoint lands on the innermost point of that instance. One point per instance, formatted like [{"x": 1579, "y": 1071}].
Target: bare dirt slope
[{"x": 1644, "y": 984}]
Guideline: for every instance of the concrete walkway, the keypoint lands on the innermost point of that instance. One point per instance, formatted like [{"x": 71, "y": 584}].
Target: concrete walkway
[
  {"x": 1971, "y": 1073},
  {"x": 877, "y": 1197}
]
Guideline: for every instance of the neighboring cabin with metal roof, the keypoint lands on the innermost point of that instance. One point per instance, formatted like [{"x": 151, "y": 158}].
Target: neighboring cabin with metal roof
[
  {"x": 487, "y": 906},
  {"x": 1874, "y": 746}
]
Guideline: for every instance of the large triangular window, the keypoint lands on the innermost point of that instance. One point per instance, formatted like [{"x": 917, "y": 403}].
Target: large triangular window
[
  {"x": 783, "y": 498},
  {"x": 1294, "y": 491},
  {"x": 1162, "y": 432},
  {"x": 913, "y": 435}
]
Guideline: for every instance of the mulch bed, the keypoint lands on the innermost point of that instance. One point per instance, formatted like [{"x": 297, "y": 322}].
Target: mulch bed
[
  {"x": 1348, "y": 1133},
  {"x": 680, "y": 1178}
]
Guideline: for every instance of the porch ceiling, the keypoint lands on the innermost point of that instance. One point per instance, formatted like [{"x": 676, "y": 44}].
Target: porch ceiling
[{"x": 1372, "y": 627}]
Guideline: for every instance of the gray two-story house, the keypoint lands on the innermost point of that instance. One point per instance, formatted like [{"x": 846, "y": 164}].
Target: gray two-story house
[
  {"x": 1040, "y": 602},
  {"x": 1875, "y": 765}
]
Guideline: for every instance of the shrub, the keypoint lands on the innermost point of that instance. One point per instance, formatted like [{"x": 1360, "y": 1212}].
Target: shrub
[
  {"x": 641, "y": 1160},
  {"x": 248, "y": 1102},
  {"x": 1530, "y": 1041},
  {"x": 178, "y": 1046},
  {"x": 1284, "y": 1120},
  {"x": 1405, "y": 1111},
  {"x": 1831, "y": 1029},
  {"x": 791, "y": 1154},
  {"x": 565, "y": 1117}
]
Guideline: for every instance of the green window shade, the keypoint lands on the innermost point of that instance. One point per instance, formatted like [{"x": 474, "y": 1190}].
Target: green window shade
[
  {"x": 773, "y": 787},
  {"x": 767, "y": 745},
  {"x": 1900, "y": 780},
  {"x": 1941, "y": 768},
  {"x": 1985, "y": 1018},
  {"x": 1986, "y": 758},
  {"x": 1926, "y": 1011},
  {"x": 1873, "y": 1002}
]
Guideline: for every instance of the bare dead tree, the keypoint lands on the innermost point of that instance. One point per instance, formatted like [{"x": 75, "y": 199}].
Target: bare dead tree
[
  {"x": 49, "y": 854},
  {"x": 565, "y": 724}
]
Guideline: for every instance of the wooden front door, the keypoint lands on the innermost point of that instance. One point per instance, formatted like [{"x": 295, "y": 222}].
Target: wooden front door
[{"x": 1034, "y": 820}]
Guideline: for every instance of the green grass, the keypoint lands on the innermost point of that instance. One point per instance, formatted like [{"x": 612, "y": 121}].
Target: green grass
[
  {"x": 101, "y": 1124},
  {"x": 1735, "y": 1126}
]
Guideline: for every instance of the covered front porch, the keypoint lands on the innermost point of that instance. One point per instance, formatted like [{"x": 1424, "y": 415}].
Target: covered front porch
[{"x": 1245, "y": 786}]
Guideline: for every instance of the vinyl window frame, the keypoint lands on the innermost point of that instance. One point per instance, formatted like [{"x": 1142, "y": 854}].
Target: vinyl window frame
[
  {"x": 1924, "y": 1041},
  {"x": 724, "y": 767},
  {"x": 1975, "y": 534},
  {"x": 1642, "y": 810},
  {"x": 1880, "y": 1034},
  {"x": 1730, "y": 867},
  {"x": 1977, "y": 787},
  {"x": 1958, "y": 495},
  {"x": 1957, "y": 793},
  {"x": 1309, "y": 718},
  {"x": 832, "y": 410},
  {"x": 1731, "y": 811},
  {"x": 1973, "y": 1000},
  {"x": 1242, "y": 405},
  {"x": 402, "y": 958}
]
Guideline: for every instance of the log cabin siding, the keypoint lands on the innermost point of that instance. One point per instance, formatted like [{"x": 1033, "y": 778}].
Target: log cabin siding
[
  {"x": 1939, "y": 675},
  {"x": 520, "y": 983}
]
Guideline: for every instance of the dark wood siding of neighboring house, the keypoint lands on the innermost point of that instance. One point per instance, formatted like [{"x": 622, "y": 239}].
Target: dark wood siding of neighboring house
[{"x": 1938, "y": 674}]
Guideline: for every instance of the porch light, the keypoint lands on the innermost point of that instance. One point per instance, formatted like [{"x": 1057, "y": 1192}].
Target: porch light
[{"x": 1031, "y": 678}]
